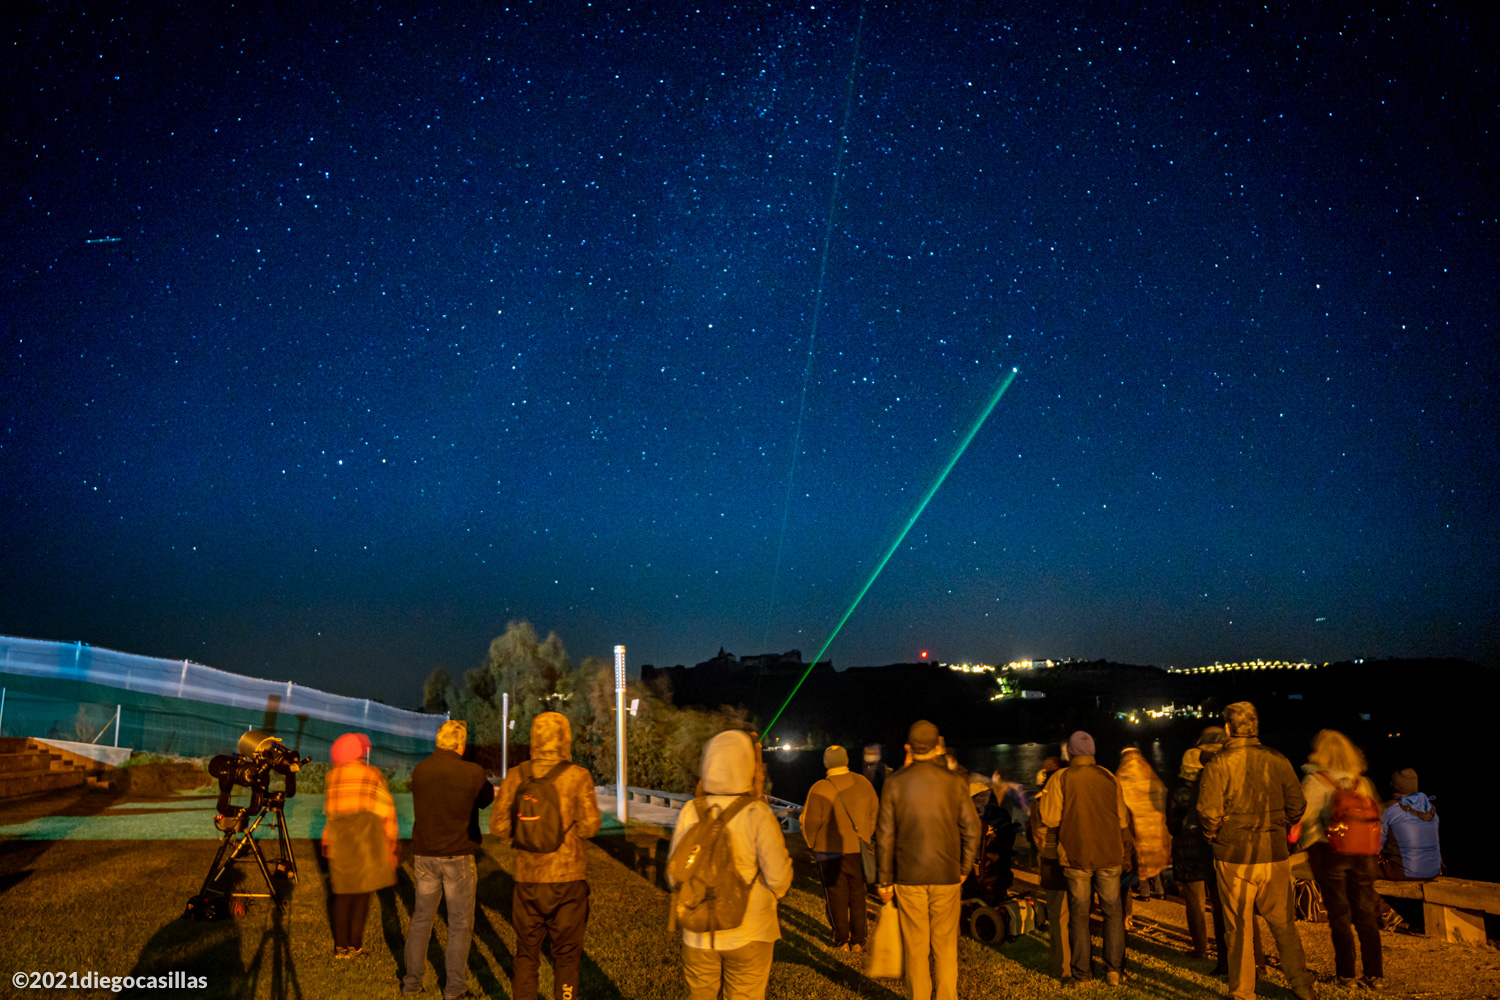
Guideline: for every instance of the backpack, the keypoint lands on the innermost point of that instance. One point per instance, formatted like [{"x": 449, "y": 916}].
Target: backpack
[
  {"x": 709, "y": 895},
  {"x": 1354, "y": 824},
  {"x": 536, "y": 814}
]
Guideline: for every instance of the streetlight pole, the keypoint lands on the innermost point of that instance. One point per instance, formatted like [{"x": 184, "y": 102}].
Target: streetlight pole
[
  {"x": 504, "y": 734},
  {"x": 620, "y": 794}
]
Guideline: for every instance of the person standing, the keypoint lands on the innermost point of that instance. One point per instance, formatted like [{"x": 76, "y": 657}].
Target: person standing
[
  {"x": 1146, "y": 800},
  {"x": 361, "y": 839},
  {"x": 875, "y": 769},
  {"x": 447, "y": 793},
  {"x": 926, "y": 841},
  {"x": 1248, "y": 800},
  {"x": 735, "y": 963},
  {"x": 1052, "y": 881},
  {"x": 1336, "y": 773},
  {"x": 550, "y": 898},
  {"x": 840, "y": 813},
  {"x": 1193, "y": 856},
  {"x": 1083, "y": 803}
]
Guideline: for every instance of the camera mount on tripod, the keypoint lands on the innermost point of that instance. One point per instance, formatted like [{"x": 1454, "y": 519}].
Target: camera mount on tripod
[{"x": 260, "y": 756}]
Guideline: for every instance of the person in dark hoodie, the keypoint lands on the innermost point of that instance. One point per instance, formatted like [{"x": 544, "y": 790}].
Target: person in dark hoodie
[
  {"x": 1051, "y": 879},
  {"x": 551, "y": 897},
  {"x": 875, "y": 769},
  {"x": 1248, "y": 800},
  {"x": 1083, "y": 802},
  {"x": 447, "y": 793},
  {"x": 839, "y": 813}
]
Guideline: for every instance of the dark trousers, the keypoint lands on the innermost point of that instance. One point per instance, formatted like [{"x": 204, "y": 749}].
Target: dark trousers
[
  {"x": 1082, "y": 884},
  {"x": 350, "y": 909},
  {"x": 843, "y": 880},
  {"x": 556, "y": 910},
  {"x": 1348, "y": 887}
]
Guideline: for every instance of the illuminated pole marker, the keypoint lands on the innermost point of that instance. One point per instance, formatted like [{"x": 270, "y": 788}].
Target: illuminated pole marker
[
  {"x": 620, "y": 794},
  {"x": 504, "y": 734},
  {"x": 926, "y": 498}
]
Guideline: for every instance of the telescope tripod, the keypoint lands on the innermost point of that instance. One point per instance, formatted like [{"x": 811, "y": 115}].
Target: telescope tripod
[{"x": 239, "y": 847}]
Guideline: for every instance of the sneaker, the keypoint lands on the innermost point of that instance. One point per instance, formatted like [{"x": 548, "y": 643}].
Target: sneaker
[
  {"x": 1114, "y": 978},
  {"x": 856, "y": 948},
  {"x": 342, "y": 952},
  {"x": 1344, "y": 982},
  {"x": 1373, "y": 982}
]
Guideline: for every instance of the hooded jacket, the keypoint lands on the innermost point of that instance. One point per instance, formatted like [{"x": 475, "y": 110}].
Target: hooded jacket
[
  {"x": 1248, "y": 798},
  {"x": 1409, "y": 831},
  {"x": 755, "y": 836},
  {"x": 551, "y": 744},
  {"x": 1146, "y": 797}
]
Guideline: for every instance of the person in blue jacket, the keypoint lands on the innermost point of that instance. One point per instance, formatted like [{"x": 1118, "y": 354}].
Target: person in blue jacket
[{"x": 1409, "y": 832}]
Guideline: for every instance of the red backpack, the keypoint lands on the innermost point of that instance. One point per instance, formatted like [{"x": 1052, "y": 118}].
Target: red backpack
[{"x": 1354, "y": 824}]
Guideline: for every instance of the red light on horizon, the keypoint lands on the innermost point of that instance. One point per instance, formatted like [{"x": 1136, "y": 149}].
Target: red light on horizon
[{"x": 924, "y": 654}]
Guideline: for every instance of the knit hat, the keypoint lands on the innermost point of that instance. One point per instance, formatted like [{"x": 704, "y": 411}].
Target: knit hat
[
  {"x": 1080, "y": 744},
  {"x": 922, "y": 736},
  {"x": 1213, "y": 735},
  {"x": 872, "y": 753},
  {"x": 353, "y": 746},
  {"x": 835, "y": 756},
  {"x": 1404, "y": 782}
]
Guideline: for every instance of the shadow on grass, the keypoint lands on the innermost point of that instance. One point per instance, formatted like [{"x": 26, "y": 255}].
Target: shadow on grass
[
  {"x": 208, "y": 948},
  {"x": 18, "y": 857},
  {"x": 645, "y": 854}
]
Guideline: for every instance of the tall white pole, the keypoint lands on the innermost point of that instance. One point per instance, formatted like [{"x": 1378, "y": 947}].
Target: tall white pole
[
  {"x": 620, "y": 793},
  {"x": 117, "y": 725},
  {"x": 504, "y": 734}
]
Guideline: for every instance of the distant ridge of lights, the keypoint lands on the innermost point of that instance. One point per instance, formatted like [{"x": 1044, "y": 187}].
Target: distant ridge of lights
[{"x": 1217, "y": 668}]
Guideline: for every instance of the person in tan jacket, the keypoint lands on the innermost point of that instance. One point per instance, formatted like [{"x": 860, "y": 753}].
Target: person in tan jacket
[
  {"x": 551, "y": 897},
  {"x": 839, "y": 813},
  {"x": 1146, "y": 797}
]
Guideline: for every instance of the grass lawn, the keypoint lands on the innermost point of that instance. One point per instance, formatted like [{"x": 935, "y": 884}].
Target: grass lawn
[{"x": 112, "y": 906}]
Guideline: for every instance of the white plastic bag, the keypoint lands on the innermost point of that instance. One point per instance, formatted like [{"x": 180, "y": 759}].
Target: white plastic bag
[{"x": 885, "y": 960}]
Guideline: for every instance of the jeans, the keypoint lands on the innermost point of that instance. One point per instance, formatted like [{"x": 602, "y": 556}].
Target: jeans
[
  {"x": 1265, "y": 888},
  {"x": 1348, "y": 887},
  {"x": 456, "y": 878},
  {"x": 843, "y": 878},
  {"x": 556, "y": 910},
  {"x": 1082, "y": 884}
]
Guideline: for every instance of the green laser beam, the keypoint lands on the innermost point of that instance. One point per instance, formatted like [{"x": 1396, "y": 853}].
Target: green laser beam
[{"x": 926, "y": 498}]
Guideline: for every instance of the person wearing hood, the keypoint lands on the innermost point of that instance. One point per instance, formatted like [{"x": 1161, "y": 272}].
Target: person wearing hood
[
  {"x": 1248, "y": 801},
  {"x": 1146, "y": 798},
  {"x": 926, "y": 841},
  {"x": 447, "y": 793},
  {"x": 1409, "y": 832},
  {"x": 551, "y": 897},
  {"x": 840, "y": 812},
  {"x": 1346, "y": 881},
  {"x": 1084, "y": 804},
  {"x": 735, "y": 963},
  {"x": 361, "y": 839}
]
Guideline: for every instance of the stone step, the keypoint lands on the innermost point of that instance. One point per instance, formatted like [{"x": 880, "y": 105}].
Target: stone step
[
  {"x": 30, "y": 760},
  {"x": 17, "y": 783}
]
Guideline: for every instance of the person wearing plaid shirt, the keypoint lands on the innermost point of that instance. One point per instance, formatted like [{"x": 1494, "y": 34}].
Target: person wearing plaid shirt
[{"x": 360, "y": 839}]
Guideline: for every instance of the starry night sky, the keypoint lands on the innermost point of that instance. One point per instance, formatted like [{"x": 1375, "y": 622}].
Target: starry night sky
[{"x": 410, "y": 320}]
